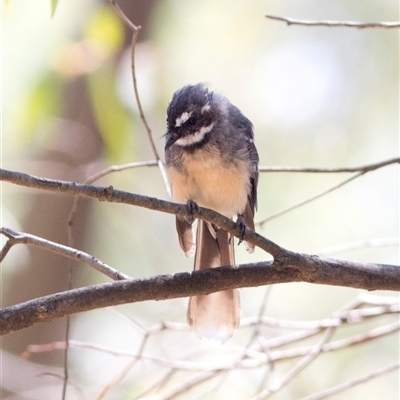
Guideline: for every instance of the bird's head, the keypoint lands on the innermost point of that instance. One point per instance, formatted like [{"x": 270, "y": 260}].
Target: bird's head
[{"x": 191, "y": 116}]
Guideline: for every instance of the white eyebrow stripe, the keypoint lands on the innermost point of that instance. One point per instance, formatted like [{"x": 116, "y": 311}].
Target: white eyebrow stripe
[
  {"x": 182, "y": 119},
  {"x": 194, "y": 138},
  {"x": 206, "y": 107}
]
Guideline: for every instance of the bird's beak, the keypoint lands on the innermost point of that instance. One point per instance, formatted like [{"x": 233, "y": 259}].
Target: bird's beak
[{"x": 171, "y": 139}]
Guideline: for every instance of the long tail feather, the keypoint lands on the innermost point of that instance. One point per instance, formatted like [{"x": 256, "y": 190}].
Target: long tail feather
[{"x": 216, "y": 315}]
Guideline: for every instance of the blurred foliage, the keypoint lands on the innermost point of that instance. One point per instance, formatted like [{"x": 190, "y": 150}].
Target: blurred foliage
[
  {"x": 112, "y": 118},
  {"x": 53, "y": 6},
  {"x": 90, "y": 50},
  {"x": 42, "y": 102},
  {"x": 105, "y": 30}
]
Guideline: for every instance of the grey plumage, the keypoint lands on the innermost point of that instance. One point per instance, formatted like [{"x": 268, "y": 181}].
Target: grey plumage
[{"x": 211, "y": 160}]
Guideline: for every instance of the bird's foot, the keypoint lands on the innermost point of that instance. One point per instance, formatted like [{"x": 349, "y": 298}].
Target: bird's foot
[{"x": 242, "y": 227}]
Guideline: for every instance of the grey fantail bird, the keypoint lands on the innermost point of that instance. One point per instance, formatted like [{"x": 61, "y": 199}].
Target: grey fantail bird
[{"x": 212, "y": 161}]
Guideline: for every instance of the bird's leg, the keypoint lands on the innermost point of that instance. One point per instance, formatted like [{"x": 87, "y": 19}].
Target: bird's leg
[
  {"x": 242, "y": 227},
  {"x": 192, "y": 208}
]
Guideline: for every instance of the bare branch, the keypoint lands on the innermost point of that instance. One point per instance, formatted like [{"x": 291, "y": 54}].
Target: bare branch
[
  {"x": 313, "y": 353},
  {"x": 350, "y": 316},
  {"x": 295, "y": 352},
  {"x": 286, "y": 267},
  {"x": 263, "y": 355},
  {"x": 360, "y": 171},
  {"x": 350, "y": 384},
  {"x": 121, "y": 374},
  {"x": 300, "y": 335},
  {"x": 124, "y": 18},
  {"x": 136, "y": 29},
  {"x": 118, "y": 196},
  {"x": 309, "y": 200},
  {"x": 136, "y": 90},
  {"x": 94, "y": 178},
  {"x": 154, "y": 163},
  {"x": 364, "y": 168},
  {"x": 300, "y": 268},
  {"x": 309, "y": 355},
  {"x": 119, "y": 168},
  {"x": 334, "y": 24},
  {"x": 25, "y": 238},
  {"x": 255, "y": 358}
]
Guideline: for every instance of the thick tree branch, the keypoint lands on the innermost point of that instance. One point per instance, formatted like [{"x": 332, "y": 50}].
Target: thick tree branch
[
  {"x": 118, "y": 196},
  {"x": 286, "y": 267},
  {"x": 334, "y": 24},
  {"x": 300, "y": 268}
]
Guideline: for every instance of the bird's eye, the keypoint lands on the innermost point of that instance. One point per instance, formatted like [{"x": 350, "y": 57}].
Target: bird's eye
[{"x": 192, "y": 121}]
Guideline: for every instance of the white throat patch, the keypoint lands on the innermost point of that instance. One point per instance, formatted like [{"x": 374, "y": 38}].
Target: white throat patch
[
  {"x": 182, "y": 119},
  {"x": 194, "y": 138}
]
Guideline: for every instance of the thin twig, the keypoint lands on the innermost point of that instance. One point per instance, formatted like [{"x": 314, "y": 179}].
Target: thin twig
[
  {"x": 66, "y": 350},
  {"x": 135, "y": 29},
  {"x": 310, "y": 199},
  {"x": 136, "y": 90},
  {"x": 160, "y": 163},
  {"x": 347, "y": 385},
  {"x": 331, "y": 24},
  {"x": 95, "y": 177},
  {"x": 253, "y": 358},
  {"x": 25, "y": 238},
  {"x": 366, "y": 168},
  {"x": 119, "y": 168},
  {"x": 348, "y": 316},
  {"x": 189, "y": 383},
  {"x": 124, "y": 18},
  {"x": 121, "y": 374},
  {"x": 360, "y": 171},
  {"x": 279, "y": 355},
  {"x": 312, "y": 354}
]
